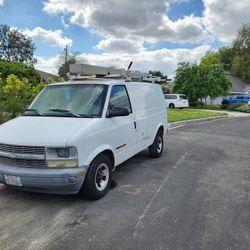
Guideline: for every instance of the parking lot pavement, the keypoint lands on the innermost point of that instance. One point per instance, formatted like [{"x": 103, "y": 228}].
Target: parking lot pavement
[{"x": 196, "y": 196}]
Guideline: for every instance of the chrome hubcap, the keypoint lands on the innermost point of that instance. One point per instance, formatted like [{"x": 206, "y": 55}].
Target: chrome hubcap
[
  {"x": 159, "y": 144},
  {"x": 102, "y": 177}
]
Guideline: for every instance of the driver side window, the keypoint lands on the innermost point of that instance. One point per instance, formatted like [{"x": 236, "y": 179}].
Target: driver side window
[{"x": 119, "y": 98}]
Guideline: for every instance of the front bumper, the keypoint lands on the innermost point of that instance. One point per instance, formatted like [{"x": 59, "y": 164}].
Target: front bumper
[{"x": 54, "y": 181}]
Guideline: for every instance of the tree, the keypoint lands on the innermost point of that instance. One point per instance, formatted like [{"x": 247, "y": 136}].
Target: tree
[
  {"x": 15, "y": 94},
  {"x": 187, "y": 81},
  {"x": 20, "y": 70},
  {"x": 15, "y": 46},
  {"x": 240, "y": 54},
  {"x": 200, "y": 81},
  {"x": 226, "y": 56},
  {"x": 241, "y": 50},
  {"x": 211, "y": 58},
  {"x": 157, "y": 73},
  {"x": 64, "y": 69},
  {"x": 37, "y": 89},
  {"x": 212, "y": 72},
  {"x": 72, "y": 57}
]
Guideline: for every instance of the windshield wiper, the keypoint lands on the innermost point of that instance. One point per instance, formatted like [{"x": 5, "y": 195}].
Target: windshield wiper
[
  {"x": 34, "y": 111},
  {"x": 65, "y": 111}
]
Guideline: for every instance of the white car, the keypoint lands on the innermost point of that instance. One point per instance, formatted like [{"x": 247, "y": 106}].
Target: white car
[
  {"x": 74, "y": 134},
  {"x": 176, "y": 101}
]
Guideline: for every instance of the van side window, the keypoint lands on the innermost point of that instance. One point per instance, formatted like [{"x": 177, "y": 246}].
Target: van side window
[
  {"x": 170, "y": 97},
  {"x": 119, "y": 98}
]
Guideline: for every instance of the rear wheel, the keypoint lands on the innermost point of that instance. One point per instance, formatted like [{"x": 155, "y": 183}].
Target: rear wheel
[
  {"x": 98, "y": 179},
  {"x": 171, "y": 106},
  {"x": 155, "y": 150}
]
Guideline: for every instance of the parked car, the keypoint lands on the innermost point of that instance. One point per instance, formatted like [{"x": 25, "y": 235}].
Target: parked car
[
  {"x": 176, "y": 101},
  {"x": 74, "y": 134},
  {"x": 236, "y": 99}
]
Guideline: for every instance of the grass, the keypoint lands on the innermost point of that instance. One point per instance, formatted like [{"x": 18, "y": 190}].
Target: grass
[
  {"x": 237, "y": 107},
  {"x": 175, "y": 115}
]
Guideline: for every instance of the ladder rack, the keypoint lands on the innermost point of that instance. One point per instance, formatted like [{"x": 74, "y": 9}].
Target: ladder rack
[{"x": 87, "y": 71}]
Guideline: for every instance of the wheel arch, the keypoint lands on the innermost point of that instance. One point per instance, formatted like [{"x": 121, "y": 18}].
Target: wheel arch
[
  {"x": 161, "y": 128},
  {"x": 104, "y": 149}
]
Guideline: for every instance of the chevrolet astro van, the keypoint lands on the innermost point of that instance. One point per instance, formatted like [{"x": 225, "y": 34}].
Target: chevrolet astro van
[{"x": 74, "y": 134}]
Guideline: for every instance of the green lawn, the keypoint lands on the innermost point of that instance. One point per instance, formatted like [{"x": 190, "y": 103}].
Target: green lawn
[{"x": 175, "y": 115}]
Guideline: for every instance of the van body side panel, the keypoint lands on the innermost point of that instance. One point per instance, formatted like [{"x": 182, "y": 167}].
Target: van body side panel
[
  {"x": 116, "y": 134},
  {"x": 150, "y": 108}
]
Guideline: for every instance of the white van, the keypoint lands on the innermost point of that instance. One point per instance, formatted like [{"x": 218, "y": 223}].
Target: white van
[
  {"x": 74, "y": 134},
  {"x": 176, "y": 101}
]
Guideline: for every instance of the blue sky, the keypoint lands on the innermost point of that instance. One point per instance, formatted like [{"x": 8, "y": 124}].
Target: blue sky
[{"x": 155, "y": 34}]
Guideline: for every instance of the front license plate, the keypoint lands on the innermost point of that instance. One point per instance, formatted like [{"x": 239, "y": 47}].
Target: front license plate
[{"x": 13, "y": 180}]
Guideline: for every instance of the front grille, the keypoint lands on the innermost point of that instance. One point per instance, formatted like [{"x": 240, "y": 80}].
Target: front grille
[
  {"x": 22, "y": 149},
  {"x": 22, "y": 162}
]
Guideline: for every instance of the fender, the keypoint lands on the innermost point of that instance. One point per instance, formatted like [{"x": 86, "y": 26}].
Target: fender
[
  {"x": 158, "y": 126},
  {"x": 97, "y": 151}
]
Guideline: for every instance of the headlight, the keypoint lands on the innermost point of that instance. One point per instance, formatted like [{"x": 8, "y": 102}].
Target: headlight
[{"x": 62, "y": 157}]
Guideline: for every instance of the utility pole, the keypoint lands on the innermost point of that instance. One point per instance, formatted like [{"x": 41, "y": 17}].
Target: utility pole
[{"x": 66, "y": 54}]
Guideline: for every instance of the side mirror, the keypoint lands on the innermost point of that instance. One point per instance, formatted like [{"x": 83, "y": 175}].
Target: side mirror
[{"x": 117, "y": 112}]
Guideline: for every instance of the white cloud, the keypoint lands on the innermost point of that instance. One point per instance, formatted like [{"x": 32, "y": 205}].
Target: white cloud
[
  {"x": 164, "y": 60},
  {"x": 224, "y": 17},
  {"x": 149, "y": 20},
  {"x": 53, "y": 38},
  {"x": 2, "y": 2},
  {"x": 146, "y": 21},
  {"x": 65, "y": 25},
  {"x": 120, "y": 45},
  {"x": 49, "y": 65}
]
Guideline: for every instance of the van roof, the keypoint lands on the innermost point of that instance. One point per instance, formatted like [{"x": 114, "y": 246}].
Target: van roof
[
  {"x": 99, "y": 81},
  {"x": 89, "y": 81}
]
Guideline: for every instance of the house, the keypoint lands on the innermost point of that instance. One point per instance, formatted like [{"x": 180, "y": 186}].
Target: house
[
  {"x": 238, "y": 87},
  {"x": 45, "y": 76}
]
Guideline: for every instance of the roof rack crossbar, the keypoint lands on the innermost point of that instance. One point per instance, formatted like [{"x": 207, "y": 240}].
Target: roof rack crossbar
[{"x": 87, "y": 71}]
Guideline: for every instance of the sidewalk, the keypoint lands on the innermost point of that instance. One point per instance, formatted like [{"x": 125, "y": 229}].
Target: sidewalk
[{"x": 230, "y": 113}]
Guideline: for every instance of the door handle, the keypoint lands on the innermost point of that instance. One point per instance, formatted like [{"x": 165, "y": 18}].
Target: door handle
[{"x": 135, "y": 125}]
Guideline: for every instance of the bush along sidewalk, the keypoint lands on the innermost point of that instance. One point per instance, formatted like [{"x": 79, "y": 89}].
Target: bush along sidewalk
[
  {"x": 237, "y": 107},
  {"x": 240, "y": 107}
]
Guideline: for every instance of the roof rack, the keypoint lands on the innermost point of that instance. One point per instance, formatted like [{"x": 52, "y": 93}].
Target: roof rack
[{"x": 87, "y": 71}]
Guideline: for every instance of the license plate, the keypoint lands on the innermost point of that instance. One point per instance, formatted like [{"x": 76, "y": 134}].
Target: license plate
[{"x": 13, "y": 180}]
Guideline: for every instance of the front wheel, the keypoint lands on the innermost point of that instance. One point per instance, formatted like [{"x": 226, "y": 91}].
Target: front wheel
[
  {"x": 98, "y": 179},
  {"x": 155, "y": 150},
  {"x": 171, "y": 106}
]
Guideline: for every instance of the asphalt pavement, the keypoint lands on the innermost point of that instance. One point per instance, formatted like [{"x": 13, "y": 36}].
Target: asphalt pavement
[{"x": 196, "y": 196}]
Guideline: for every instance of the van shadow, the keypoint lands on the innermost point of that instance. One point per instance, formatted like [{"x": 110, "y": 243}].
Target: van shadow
[{"x": 127, "y": 168}]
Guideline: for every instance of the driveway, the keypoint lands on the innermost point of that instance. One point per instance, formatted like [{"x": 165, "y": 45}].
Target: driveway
[{"x": 196, "y": 196}]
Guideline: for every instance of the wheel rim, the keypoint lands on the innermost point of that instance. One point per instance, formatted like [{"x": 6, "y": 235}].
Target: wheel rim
[
  {"x": 159, "y": 144},
  {"x": 102, "y": 177}
]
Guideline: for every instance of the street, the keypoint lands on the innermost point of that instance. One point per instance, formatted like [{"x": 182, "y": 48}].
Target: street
[{"x": 196, "y": 196}]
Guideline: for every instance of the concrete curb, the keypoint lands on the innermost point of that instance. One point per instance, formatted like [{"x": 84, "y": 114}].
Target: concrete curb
[{"x": 193, "y": 121}]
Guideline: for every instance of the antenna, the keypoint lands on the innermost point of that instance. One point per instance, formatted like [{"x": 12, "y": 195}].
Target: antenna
[{"x": 127, "y": 72}]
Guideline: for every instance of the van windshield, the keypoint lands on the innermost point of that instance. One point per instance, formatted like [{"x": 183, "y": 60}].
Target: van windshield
[{"x": 69, "y": 100}]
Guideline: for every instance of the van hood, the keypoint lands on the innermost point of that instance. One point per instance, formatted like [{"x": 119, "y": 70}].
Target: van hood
[{"x": 41, "y": 131}]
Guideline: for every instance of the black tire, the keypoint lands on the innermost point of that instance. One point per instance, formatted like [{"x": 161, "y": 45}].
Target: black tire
[
  {"x": 92, "y": 188},
  {"x": 155, "y": 150},
  {"x": 171, "y": 106},
  {"x": 225, "y": 103}
]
